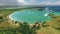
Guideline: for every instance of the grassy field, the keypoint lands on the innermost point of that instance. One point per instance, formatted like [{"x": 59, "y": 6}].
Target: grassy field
[{"x": 48, "y": 30}]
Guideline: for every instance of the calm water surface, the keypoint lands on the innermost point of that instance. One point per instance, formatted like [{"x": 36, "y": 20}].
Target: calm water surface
[{"x": 31, "y": 16}]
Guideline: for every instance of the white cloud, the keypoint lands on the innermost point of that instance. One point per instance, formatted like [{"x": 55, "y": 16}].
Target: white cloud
[
  {"x": 21, "y": 1},
  {"x": 58, "y": 2}
]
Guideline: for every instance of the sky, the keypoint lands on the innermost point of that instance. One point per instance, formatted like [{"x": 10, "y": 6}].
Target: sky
[{"x": 29, "y": 2}]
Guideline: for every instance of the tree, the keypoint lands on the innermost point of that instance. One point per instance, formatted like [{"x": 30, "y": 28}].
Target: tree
[
  {"x": 1, "y": 17},
  {"x": 52, "y": 15},
  {"x": 25, "y": 28}
]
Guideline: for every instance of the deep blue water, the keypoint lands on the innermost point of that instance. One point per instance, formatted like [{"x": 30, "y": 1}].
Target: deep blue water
[{"x": 54, "y": 8}]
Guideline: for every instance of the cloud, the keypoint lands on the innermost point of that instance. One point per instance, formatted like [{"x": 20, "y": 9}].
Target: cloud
[
  {"x": 30, "y": 2},
  {"x": 21, "y": 1},
  {"x": 38, "y": 2},
  {"x": 8, "y": 2}
]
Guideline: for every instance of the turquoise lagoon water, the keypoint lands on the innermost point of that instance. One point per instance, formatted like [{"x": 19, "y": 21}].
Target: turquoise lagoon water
[{"x": 31, "y": 16}]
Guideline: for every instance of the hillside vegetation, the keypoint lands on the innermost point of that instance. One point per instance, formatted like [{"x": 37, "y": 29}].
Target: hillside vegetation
[{"x": 13, "y": 27}]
